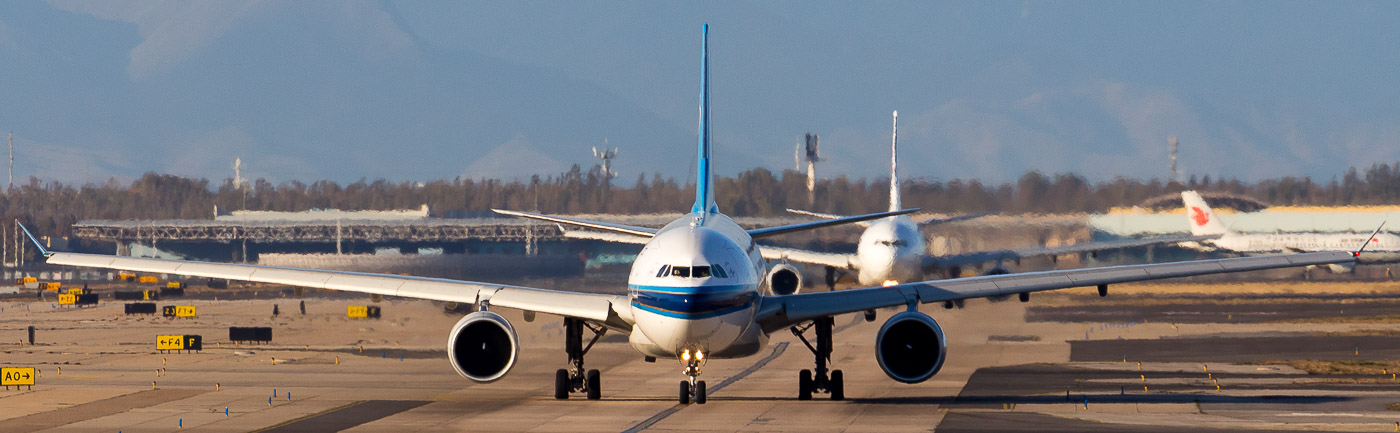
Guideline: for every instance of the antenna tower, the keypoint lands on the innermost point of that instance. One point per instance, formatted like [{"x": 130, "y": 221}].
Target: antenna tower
[
  {"x": 607, "y": 156},
  {"x": 813, "y": 153},
  {"x": 1176, "y": 176}
]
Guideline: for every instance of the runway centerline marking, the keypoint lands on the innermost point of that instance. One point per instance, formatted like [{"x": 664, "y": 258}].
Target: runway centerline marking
[{"x": 777, "y": 351}]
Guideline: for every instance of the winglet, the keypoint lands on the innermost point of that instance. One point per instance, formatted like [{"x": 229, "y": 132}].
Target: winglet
[
  {"x": 44, "y": 251},
  {"x": 1370, "y": 238}
]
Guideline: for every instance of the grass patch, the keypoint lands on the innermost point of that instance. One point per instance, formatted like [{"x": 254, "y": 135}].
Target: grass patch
[
  {"x": 1387, "y": 319},
  {"x": 1361, "y": 333},
  {"x": 1349, "y": 381},
  {"x": 1393, "y": 406},
  {"x": 1376, "y": 368}
]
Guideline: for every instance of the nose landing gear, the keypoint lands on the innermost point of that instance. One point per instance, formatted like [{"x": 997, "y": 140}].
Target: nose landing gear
[
  {"x": 575, "y": 378},
  {"x": 692, "y": 388},
  {"x": 807, "y": 382}
]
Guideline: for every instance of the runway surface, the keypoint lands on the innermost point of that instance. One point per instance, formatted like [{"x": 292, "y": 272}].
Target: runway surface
[{"x": 325, "y": 372}]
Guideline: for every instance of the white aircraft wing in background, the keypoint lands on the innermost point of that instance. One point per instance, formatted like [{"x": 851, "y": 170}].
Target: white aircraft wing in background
[
  {"x": 778, "y": 312},
  {"x": 835, "y": 260}
]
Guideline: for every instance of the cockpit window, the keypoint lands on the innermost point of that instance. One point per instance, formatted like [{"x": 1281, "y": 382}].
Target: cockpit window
[
  {"x": 719, "y": 271},
  {"x": 680, "y": 271},
  {"x": 700, "y": 272},
  {"x": 663, "y": 271}
]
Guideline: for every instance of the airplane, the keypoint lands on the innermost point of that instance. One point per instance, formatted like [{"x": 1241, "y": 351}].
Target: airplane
[
  {"x": 892, "y": 250},
  {"x": 694, "y": 294},
  {"x": 1383, "y": 247}
]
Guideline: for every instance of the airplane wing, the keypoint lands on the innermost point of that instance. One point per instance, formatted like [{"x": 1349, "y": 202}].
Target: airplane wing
[
  {"x": 648, "y": 232},
  {"x": 933, "y": 221},
  {"x": 825, "y": 216},
  {"x": 599, "y": 225},
  {"x": 947, "y": 261},
  {"x": 774, "y": 231},
  {"x": 778, "y": 312},
  {"x": 609, "y": 310},
  {"x": 621, "y": 238},
  {"x": 835, "y": 260}
]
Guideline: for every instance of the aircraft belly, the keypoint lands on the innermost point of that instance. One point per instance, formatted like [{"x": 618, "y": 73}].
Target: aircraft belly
[{"x": 664, "y": 335}]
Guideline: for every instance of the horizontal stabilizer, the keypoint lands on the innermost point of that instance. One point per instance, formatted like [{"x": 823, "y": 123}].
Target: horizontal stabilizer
[{"x": 597, "y": 225}]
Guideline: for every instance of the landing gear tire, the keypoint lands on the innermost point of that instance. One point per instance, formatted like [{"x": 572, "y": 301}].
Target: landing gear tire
[
  {"x": 685, "y": 392},
  {"x": 576, "y": 378},
  {"x": 594, "y": 382},
  {"x": 700, "y": 392},
  {"x": 561, "y": 384},
  {"x": 822, "y": 379},
  {"x": 804, "y": 385},
  {"x": 837, "y": 385}
]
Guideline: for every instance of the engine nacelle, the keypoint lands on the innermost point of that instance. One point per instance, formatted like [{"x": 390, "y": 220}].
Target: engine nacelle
[
  {"x": 999, "y": 269},
  {"x": 910, "y": 347},
  {"x": 783, "y": 279},
  {"x": 483, "y": 346}
]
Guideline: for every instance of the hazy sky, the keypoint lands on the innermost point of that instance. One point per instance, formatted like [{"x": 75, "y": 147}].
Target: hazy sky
[{"x": 426, "y": 90}]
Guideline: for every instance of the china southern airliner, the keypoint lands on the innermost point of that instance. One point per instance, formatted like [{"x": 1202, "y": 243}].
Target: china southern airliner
[{"x": 696, "y": 293}]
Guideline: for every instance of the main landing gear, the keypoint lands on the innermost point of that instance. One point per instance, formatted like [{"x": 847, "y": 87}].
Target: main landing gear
[
  {"x": 692, "y": 388},
  {"x": 575, "y": 378},
  {"x": 821, "y": 382}
]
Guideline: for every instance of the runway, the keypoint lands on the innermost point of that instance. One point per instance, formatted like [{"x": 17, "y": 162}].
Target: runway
[{"x": 325, "y": 372}]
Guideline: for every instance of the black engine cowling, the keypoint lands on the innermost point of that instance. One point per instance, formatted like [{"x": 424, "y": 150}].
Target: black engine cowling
[
  {"x": 910, "y": 347},
  {"x": 784, "y": 280},
  {"x": 483, "y": 346},
  {"x": 999, "y": 269}
]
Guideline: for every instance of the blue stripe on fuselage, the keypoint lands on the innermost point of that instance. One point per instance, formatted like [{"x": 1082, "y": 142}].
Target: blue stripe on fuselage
[{"x": 693, "y": 302}]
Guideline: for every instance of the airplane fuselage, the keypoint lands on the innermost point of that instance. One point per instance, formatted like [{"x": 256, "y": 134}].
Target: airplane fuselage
[
  {"x": 695, "y": 287},
  {"x": 891, "y": 250},
  {"x": 1267, "y": 243}
]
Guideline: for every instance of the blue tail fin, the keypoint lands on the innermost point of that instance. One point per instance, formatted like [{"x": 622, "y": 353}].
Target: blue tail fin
[{"x": 704, "y": 183}]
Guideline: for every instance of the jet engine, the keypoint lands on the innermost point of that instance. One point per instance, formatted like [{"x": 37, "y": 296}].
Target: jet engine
[
  {"x": 999, "y": 269},
  {"x": 483, "y": 346},
  {"x": 784, "y": 279},
  {"x": 910, "y": 347}
]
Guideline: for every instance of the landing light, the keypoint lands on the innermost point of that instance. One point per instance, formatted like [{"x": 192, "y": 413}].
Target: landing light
[
  {"x": 685, "y": 355},
  {"x": 888, "y": 283},
  {"x": 699, "y": 356}
]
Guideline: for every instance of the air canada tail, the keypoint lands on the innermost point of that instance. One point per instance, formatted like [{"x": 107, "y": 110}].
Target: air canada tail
[
  {"x": 894, "y": 163},
  {"x": 704, "y": 182},
  {"x": 1203, "y": 221}
]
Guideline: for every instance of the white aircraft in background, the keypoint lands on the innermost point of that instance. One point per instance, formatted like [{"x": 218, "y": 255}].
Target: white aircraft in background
[
  {"x": 1382, "y": 247},
  {"x": 892, "y": 250},
  {"x": 695, "y": 293}
]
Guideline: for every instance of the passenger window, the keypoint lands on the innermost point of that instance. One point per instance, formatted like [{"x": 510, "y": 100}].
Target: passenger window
[
  {"x": 680, "y": 271},
  {"x": 701, "y": 272},
  {"x": 662, "y": 272},
  {"x": 719, "y": 271}
]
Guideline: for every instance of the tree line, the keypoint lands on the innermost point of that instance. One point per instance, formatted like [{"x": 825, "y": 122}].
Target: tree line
[{"x": 51, "y": 208}]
